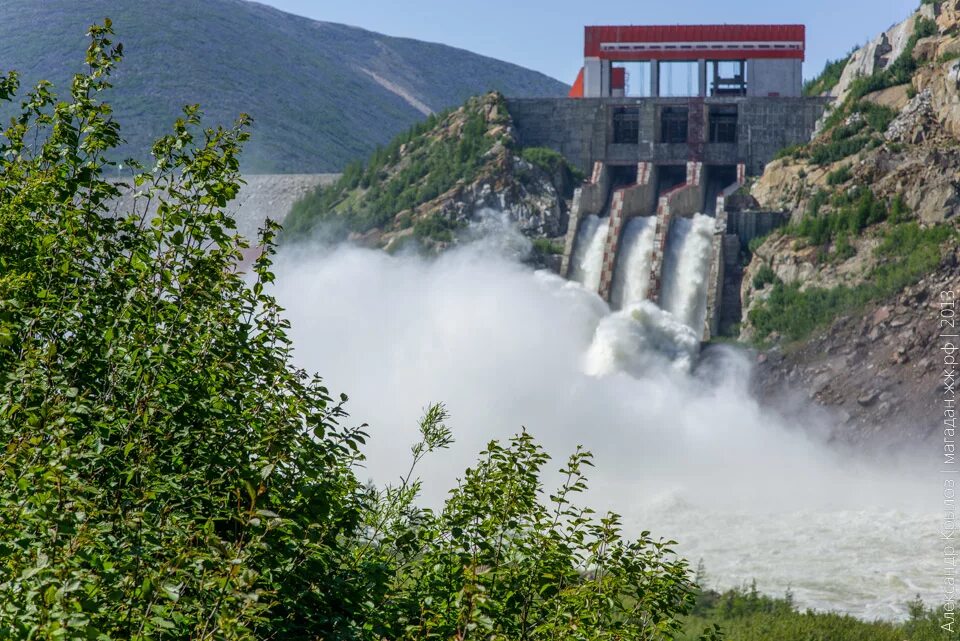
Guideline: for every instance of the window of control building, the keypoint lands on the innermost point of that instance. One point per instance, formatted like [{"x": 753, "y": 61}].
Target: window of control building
[
  {"x": 723, "y": 124},
  {"x": 626, "y": 125},
  {"x": 673, "y": 124}
]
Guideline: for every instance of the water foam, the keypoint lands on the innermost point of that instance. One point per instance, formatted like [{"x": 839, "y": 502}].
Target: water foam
[
  {"x": 681, "y": 447},
  {"x": 631, "y": 282},
  {"x": 685, "y": 265},
  {"x": 588, "y": 251}
]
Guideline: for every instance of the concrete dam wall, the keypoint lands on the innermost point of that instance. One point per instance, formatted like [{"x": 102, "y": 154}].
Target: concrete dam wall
[
  {"x": 651, "y": 222},
  {"x": 624, "y": 131},
  {"x": 637, "y": 236}
]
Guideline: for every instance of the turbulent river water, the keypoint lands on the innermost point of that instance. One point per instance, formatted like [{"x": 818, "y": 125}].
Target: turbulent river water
[{"x": 681, "y": 447}]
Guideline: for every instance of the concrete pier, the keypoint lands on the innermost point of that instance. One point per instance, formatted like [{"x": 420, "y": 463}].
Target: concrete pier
[
  {"x": 591, "y": 198},
  {"x": 685, "y": 200},
  {"x": 715, "y": 279},
  {"x": 627, "y": 203}
]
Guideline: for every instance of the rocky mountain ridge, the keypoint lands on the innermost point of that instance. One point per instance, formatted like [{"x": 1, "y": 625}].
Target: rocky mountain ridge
[{"x": 873, "y": 241}]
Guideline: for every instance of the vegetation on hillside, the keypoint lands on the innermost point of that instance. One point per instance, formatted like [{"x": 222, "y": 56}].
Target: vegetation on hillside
[
  {"x": 862, "y": 127},
  {"x": 902, "y": 69},
  {"x": 371, "y": 195},
  {"x": 445, "y": 151},
  {"x": 303, "y": 81},
  {"x": 841, "y": 210},
  {"x": 858, "y": 124},
  {"x": 168, "y": 474},
  {"x": 827, "y": 79},
  {"x": 907, "y": 251},
  {"x": 746, "y": 615}
]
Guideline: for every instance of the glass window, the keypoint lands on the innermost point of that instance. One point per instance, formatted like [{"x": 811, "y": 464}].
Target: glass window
[{"x": 679, "y": 79}]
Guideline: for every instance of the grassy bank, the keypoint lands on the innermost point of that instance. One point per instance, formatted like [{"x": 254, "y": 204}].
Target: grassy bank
[{"x": 745, "y": 615}]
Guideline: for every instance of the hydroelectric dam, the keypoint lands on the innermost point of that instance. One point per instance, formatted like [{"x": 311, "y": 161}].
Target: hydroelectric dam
[{"x": 668, "y": 122}]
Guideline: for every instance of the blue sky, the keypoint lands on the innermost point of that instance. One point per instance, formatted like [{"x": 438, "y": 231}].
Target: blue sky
[{"x": 547, "y": 36}]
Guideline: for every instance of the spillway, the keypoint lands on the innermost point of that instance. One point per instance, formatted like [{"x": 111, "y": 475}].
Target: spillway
[
  {"x": 588, "y": 251},
  {"x": 631, "y": 281},
  {"x": 686, "y": 264}
]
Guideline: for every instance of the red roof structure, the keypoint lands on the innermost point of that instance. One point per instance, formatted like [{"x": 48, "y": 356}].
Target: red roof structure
[{"x": 693, "y": 42}]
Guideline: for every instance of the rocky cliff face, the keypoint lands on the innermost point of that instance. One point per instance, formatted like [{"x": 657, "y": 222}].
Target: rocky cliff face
[
  {"x": 879, "y": 53},
  {"x": 876, "y": 371},
  {"x": 875, "y": 364}
]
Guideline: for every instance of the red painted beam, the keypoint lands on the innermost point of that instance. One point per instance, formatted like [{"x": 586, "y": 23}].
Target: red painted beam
[{"x": 595, "y": 37}]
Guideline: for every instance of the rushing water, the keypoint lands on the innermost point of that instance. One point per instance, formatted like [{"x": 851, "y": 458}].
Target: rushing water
[
  {"x": 681, "y": 448},
  {"x": 588, "y": 251},
  {"x": 686, "y": 263},
  {"x": 631, "y": 282}
]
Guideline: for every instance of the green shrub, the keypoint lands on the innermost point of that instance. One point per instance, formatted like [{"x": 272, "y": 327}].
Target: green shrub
[
  {"x": 818, "y": 200},
  {"x": 556, "y": 166},
  {"x": 764, "y": 276},
  {"x": 745, "y": 615},
  {"x": 168, "y": 472},
  {"x": 899, "y": 212},
  {"x": 829, "y": 152},
  {"x": 547, "y": 159},
  {"x": 547, "y": 246},
  {"x": 840, "y": 176},
  {"x": 791, "y": 151},
  {"x": 854, "y": 213},
  {"x": 877, "y": 117},
  {"x": 755, "y": 243},
  {"x": 843, "y": 249},
  {"x": 436, "y": 227}
]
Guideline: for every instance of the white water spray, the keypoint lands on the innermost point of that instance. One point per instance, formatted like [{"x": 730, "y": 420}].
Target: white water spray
[
  {"x": 588, "y": 251},
  {"x": 687, "y": 454},
  {"x": 631, "y": 281},
  {"x": 685, "y": 266}
]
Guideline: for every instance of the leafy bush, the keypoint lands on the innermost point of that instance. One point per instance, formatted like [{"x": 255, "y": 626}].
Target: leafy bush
[
  {"x": 899, "y": 212},
  {"x": 556, "y": 165},
  {"x": 854, "y": 212},
  {"x": 545, "y": 158},
  {"x": 877, "y": 117},
  {"x": 496, "y": 562},
  {"x": 790, "y": 151},
  {"x": 840, "y": 176},
  {"x": 168, "y": 474},
  {"x": 435, "y": 227},
  {"x": 547, "y": 246},
  {"x": 837, "y": 149},
  {"x": 764, "y": 276}
]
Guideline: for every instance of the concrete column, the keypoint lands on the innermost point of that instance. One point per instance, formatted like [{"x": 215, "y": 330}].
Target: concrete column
[
  {"x": 591, "y": 77},
  {"x": 604, "y": 78},
  {"x": 654, "y": 78},
  {"x": 702, "y": 66}
]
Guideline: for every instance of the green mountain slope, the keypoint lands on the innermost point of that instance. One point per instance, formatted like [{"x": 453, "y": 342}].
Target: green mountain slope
[{"x": 321, "y": 94}]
